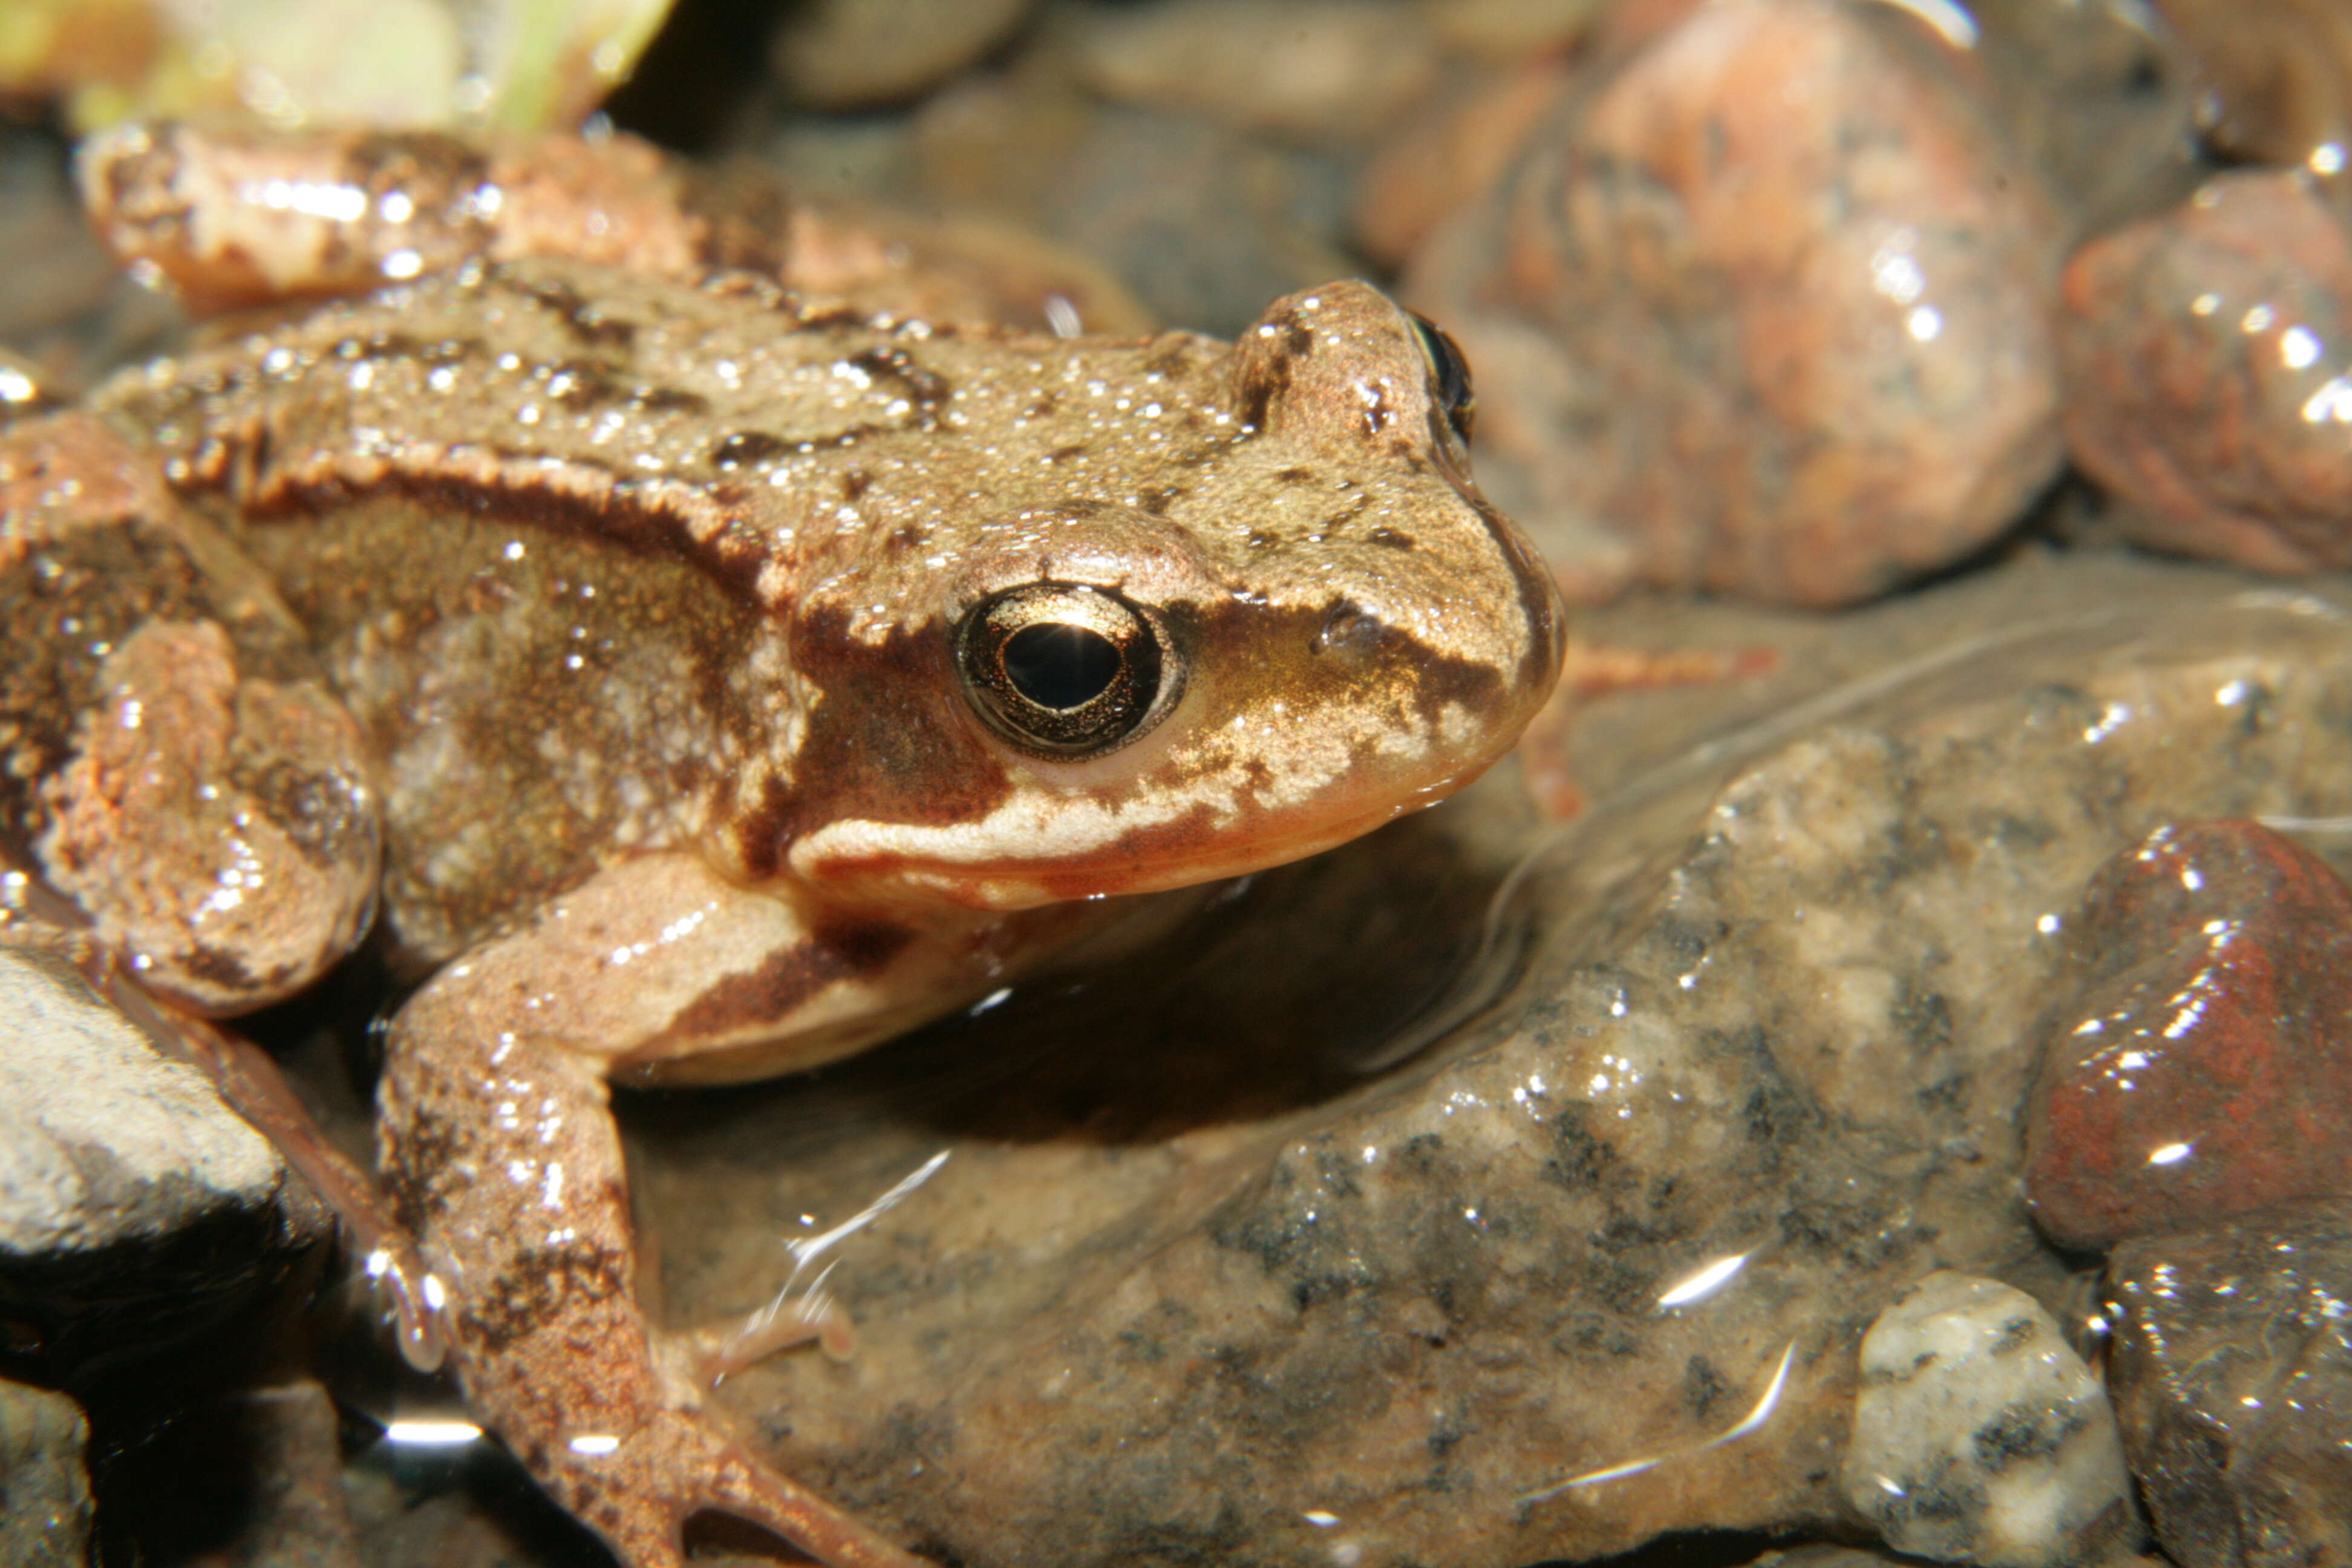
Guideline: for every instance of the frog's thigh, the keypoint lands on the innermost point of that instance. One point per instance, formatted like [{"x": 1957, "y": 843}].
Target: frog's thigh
[
  {"x": 502, "y": 1153},
  {"x": 170, "y": 760}
]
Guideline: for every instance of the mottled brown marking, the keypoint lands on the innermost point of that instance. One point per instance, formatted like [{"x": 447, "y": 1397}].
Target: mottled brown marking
[
  {"x": 540, "y": 1288},
  {"x": 620, "y": 516},
  {"x": 836, "y": 950},
  {"x": 926, "y": 390},
  {"x": 888, "y": 738},
  {"x": 744, "y": 447},
  {"x": 586, "y": 321}
]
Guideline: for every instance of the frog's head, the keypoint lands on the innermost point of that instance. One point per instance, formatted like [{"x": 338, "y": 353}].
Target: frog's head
[{"x": 1306, "y": 625}]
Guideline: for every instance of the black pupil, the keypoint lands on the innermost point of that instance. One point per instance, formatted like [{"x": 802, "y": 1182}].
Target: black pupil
[{"x": 1061, "y": 666}]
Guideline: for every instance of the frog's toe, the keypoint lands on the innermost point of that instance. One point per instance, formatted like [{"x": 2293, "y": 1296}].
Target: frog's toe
[
  {"x": 703, "y": 1357},
  {"x": 638, "y": 1488}
]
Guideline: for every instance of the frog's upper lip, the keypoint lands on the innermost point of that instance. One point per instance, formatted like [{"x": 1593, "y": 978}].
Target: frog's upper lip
[{"x": 1176, "y": 852}]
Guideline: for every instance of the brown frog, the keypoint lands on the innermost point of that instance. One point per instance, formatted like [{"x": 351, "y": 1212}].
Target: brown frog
[{"x": 708, "y": 683}]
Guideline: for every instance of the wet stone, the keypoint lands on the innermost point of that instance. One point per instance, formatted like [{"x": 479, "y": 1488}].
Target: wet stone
[
  {"x": 1980, "y": 1437},
  {"x": 133, "y": 1204},
  {"x": 43, "y": 1488},
  {"x": 2208, "y": 358},
  {"x": 1764, "y": 311},
  {"x": 2201, "y": 1064},
  {"x": 2232, "y": 1375}
]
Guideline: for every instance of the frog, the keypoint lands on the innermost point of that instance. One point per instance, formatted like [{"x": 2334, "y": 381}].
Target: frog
[{"x": 696, "y": 681}]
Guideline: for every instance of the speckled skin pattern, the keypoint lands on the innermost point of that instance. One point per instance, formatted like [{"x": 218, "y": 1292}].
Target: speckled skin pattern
[{"x": 643, "y": 598}]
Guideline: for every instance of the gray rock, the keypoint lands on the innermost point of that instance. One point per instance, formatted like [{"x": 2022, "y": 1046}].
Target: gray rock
[
  {"x": 43, "y": 1489},
  {"x": 1980, "y": 1437},
  {"x": 1210, "y": 1274},
  {"x": 133, "y": 1204},
  {"x": 2233, "y": 1373}
]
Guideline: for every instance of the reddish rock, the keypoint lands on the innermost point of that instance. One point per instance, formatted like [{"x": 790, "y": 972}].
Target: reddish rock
[
  {"x": 2203, "y": 1064},
  {"x": 2208, "y": 360},
  {"x": 1762, "y": 311}
]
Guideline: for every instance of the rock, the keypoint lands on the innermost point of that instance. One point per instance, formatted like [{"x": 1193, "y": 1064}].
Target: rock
[
  {"x": 1980, "y": 1437},
  {"x": 2232, "y": 1375},
  {"x": 855, "y": 53},
  {"x": 1319, "y": 71},
  {"x": 1447, "y": 154},
  {"x": 43, "y": 1489},
  {"x": 2098, "y": 101},
  {"x": 133, "y": 1204},
  {"x": 2201, "y": 1063},
  {"x": 1210, "y": 1274},
  {"x": 1505, "y": 32},
  {"x": 2277, "y": 77},
  {"x": 2208, "y": 378},
  {"x": 1203, "y": 224},
  {"x": 1764, "y": 311}
]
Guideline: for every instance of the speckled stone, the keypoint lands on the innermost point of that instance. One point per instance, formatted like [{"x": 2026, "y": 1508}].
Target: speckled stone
[
  {"x": 2232, "y": 1375},
  {"x": 2201, "y": 1064},
  {"x": 45, "y": 1514},
  {"x": 1980, "y": 1437},
  {"x": 1765, "y": 312},
  {"x": 2208, "y": 358}
]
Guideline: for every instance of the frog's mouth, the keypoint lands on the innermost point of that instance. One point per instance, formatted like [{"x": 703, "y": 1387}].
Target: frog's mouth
[{"x": 1034, "y": 852}]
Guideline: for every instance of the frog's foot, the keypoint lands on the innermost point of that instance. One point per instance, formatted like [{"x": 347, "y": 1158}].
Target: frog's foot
[
  {"x": 638, "y": 1488},
  {"x": 705, "y": 1356}
]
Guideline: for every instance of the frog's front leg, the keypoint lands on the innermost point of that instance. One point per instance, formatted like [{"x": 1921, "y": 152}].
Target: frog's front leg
[{"x": 502, "y": 1153}]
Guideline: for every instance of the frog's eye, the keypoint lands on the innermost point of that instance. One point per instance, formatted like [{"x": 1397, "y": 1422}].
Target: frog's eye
[
  {"x": 1062, "y": 669},
  {"x": 1449, "y": 371}
]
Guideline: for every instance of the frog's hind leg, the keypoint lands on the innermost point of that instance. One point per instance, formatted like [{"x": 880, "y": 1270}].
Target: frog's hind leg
[{"x": 500, "y": 1151}]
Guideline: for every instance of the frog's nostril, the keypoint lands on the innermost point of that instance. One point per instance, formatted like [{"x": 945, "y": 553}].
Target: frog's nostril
[
  {"x": 1064, "y": 669},
  {"x": 1349, "y": 627}
]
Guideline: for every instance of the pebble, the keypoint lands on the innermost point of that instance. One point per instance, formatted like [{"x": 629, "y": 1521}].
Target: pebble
[
  {"x": 1203, "y": 222},
  {"x": 1318, "y": 71},
  {"x": 45, "y": 1512},
  {"x": 2277, "y": 77},
  {"x": 1764, "y": 311},
  {"x": 2232, "y": 1374},
  {"x": 859, "y": 54},
  {"x": 133, "y": 1204},
  {"x": 2201, "y": 1063},
  {"x": 2208, "y": 360},
  {"x": 1980, "y": 1437}
]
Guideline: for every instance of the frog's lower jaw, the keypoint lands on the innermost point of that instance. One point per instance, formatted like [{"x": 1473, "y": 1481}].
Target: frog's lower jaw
[{"x": 499, "y": 1150}]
